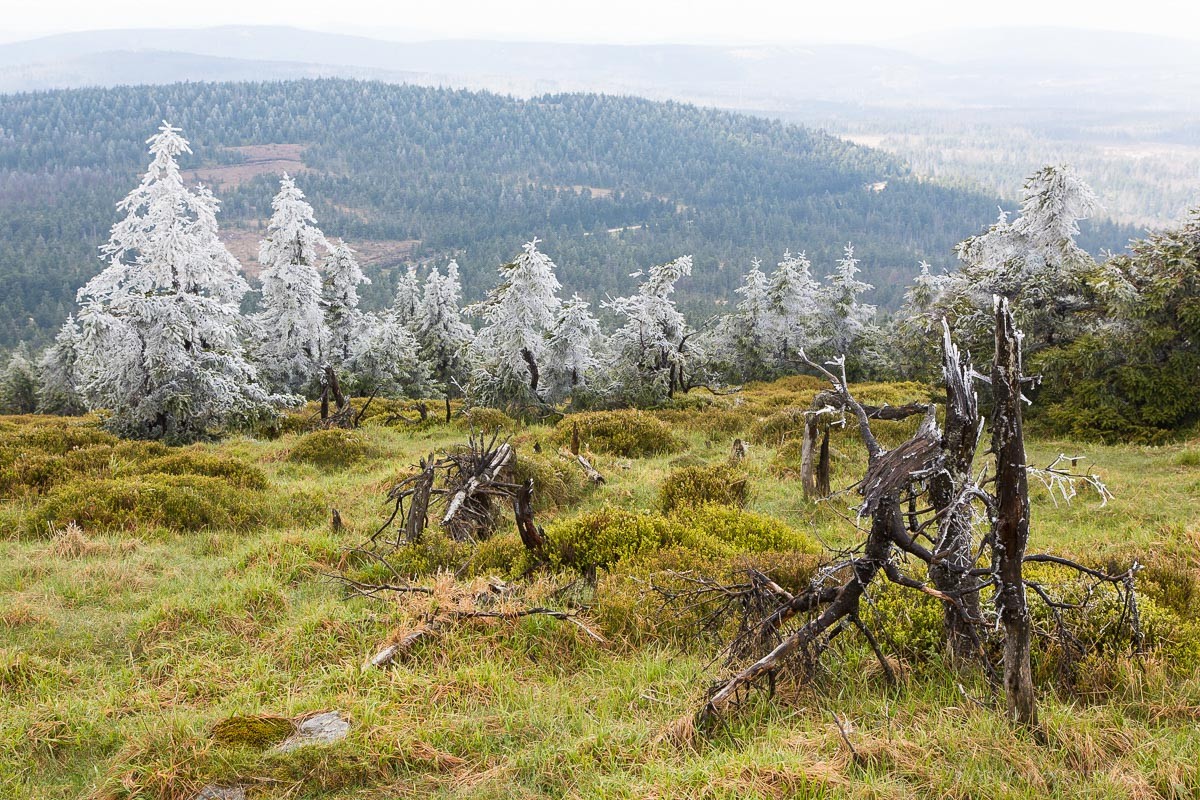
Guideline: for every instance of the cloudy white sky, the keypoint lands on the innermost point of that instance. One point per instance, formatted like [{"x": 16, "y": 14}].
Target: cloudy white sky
[{"x": 621, "y": 21}]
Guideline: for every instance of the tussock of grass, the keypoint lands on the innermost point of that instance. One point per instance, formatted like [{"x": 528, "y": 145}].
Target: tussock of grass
[
  {"x": 632, "y": 434},
  {"x": 332, "y": 449}
]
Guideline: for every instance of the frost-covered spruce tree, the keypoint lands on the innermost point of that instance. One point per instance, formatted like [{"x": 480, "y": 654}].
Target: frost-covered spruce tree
[
  {"x": 57, "y": 391},
  {"x": 1033, "y": 261},
  {"x": 386, "y": 359},
  {"x": 18, "y": 385},
  {"x": 293, "y": 338},
  {"x": 794, "y": 301},
  {"x": 914, "y": 349},
  {"x": 442, "y": 333},
  {"x": 848, "y": 328},
  {"x": 572, "y": 366},
  {"x": 343, "y": 320},
  {"x": 651, "y": 351},
  {"x": 408, "y": 296},
  {"x": 160, "y": 342},
  {"x": 746, "y": 338},
  {"x": 518, "y": 316}
]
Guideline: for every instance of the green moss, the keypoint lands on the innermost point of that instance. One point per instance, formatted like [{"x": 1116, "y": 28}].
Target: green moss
[
  {"x": 632, "y": 434},
  {"x": 332, "y": 449},
  {"x": 262, "y": 730},
  {"x": 602, "y": 538},
  {"x": 722, "y": 484}
]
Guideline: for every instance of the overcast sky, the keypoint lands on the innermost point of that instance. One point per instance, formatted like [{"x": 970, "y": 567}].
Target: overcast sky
[{"x": 623, "y": 21}]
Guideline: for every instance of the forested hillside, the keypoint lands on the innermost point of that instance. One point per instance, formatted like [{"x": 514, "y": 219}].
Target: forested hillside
[{"x": 610, "y": 184}]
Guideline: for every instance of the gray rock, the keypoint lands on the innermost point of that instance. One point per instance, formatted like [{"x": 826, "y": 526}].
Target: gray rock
[
  {"x": 214, "y": 792},
  {"x": 325, "y": 728}
]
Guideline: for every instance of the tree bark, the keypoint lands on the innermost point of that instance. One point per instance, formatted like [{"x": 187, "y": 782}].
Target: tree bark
[{"x": 1011, "y": 526}]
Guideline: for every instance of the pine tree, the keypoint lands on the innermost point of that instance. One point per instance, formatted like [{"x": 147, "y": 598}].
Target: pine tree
[
  {"x": 387, "y": 359},
  {"x": 18, "y": 385},
  {"x": 518, "y": 316},
  {"x": 293, "y": 337},
  {"x": 408, "y": 296},
  {"x": 651, "y": 354},
  {"x": 1032, "y": 261},
  {"x": 441, "y": 331},
  {"x": 343, "y": 320},
  {"x": 746, "y": 336},
  {"x": 848, "y": 319},
  {"x": 58, "y": 392},
  {"x": 161, "y": 334},
  {"x": 794, "y": 300},
  {"x": 572, "y": 365}
]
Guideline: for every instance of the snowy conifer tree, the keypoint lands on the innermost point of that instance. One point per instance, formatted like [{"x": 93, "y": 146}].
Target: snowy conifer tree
[
  {"x": 161, "y": 333},
  {"x": 794, "y": 300},
  {"x": 441, "y": 332},
  {"x": 57, "y": 390},
  {"x": 518, "y": 316},
  {"x": 746, "y": 338},
  {"x": 848, "y": 319},
  {"x": 408, "y": 296},
  {"x": 1032, "y": 261},
  {"x": 572, "y": 365},
  {"x": 293, "y": 337},
  {"x": 18, "y": 385},
  {"x": 343, "y": 320},
  {"x": 652, "y": 356},
  {"x": 387, "y": 359}
]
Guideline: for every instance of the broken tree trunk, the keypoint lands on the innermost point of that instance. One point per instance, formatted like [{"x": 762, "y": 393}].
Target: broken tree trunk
[
  {"x": 531, "y": 535},
  {"x": 950, "y": 570},
  {"x": 738, "y": 451},
  {"x": 418, "y": 509},
  {"x": 592, "y": 473},
  {"x": 1011, "y": 524}
]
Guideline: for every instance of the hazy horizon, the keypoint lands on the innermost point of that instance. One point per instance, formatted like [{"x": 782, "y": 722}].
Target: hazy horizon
[{"x": 624, "y": 22}]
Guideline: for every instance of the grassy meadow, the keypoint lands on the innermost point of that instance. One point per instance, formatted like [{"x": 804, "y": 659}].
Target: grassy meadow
[{"x": 147, "y": 594}]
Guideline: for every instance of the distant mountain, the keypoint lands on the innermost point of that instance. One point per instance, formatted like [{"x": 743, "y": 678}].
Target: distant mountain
[
  {"x": 1038, "y": 67},
  {"x": 406, "y": 173}
]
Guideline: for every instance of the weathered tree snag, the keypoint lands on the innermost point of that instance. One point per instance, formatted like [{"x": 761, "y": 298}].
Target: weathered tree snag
[
  {"x": 738, "y": 451},
  {"x": 822, "y": 481},
  {"x": 331, "y": 388},
  {"x": 575, "y": 438},
  {"x": 476, "y": 472},
  {"x": 1011, "y": 525},
  {"x": 531, "y": 535},
  {"x": 950, "y": 570},
  {"x": 418, "y": 509}
]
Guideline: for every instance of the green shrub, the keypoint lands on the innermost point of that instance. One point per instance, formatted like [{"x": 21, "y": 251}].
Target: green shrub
[
  {"x": 502, "y": 555},
  {"x": 744, "y": 531},
  {"x": 723, "y": 484},
  {"x": 557, "y": 483},
  {"x": 910, "y": 621},
  {"x": 487, "y": 420},
  {"x": 335, "y": 448},
  {"x": 1188, "y": 458},
  {"x": 786, "y": 461},
  {"x": 176, "y": 502},
  {"x": 602, "y": 538},
  {"x": 192, "y": 462},
  {"x": 631, "y": 434}
]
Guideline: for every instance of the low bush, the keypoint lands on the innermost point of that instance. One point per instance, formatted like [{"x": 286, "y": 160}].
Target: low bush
[
  {"x": 787, "y": 423},
  {"x": 557, "y": 483},
  {"x": 335, "y": 448},
  {"x": 632, "y": 434},
  {"x": 602, "y": 538},
  {"x": 192, "y": 462},
  {"x": 723, "y": 484},
  {"x": 744, "y": 531},
  {"x": 175, "y": 502}
]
